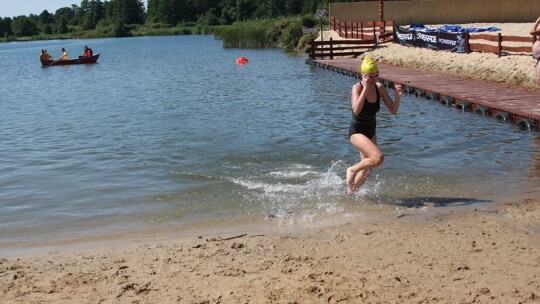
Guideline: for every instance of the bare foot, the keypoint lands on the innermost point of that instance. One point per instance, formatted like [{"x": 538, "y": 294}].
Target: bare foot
[
  {"x": 361, "y": 178},
  {"x": 350, "y": 181}
]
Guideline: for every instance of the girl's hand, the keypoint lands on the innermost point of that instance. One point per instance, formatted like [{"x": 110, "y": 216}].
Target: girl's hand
[
  {"x": 365, "y": 78},
  {"x": 398, "y": 89}
]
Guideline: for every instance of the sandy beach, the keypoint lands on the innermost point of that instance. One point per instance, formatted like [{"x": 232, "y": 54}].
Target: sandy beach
[
  {"x": 484, "y": 253},
  {"x": 453, "y": 255},
  {"x": 511, "y": 68}
]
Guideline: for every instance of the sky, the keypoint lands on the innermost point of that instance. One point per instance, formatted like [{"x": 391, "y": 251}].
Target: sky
[{"x": 13, "y": 8}]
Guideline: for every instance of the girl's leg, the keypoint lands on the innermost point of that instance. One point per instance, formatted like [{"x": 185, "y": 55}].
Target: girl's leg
[
  {"x": 356, "y": 179},
  {"x": 371, "y": 157}
]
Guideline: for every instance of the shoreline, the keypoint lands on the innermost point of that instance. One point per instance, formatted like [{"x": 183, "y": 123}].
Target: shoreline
[
  {"x": 249, "y": 224},
  {"x": 464, "y": 254}
]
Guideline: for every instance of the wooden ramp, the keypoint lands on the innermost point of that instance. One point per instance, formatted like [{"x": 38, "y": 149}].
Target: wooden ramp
[{"x": 488, "y": 98}]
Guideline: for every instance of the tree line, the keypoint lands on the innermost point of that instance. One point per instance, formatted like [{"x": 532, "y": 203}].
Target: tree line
[
  {"x": 93, "y": 14},
  {"x": 89, "y": 15}
]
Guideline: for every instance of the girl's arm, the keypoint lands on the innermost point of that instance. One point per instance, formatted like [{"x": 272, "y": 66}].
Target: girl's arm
[
  {"x": 358, "y": 97},
  {"x": 392, "y": 105}
]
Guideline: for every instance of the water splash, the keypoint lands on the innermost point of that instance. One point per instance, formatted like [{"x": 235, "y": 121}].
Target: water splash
[{"x": 299, "y": 193}]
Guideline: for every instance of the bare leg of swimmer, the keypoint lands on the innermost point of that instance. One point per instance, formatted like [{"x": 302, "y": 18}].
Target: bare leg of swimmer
[
  {"x": 361, "y": 178},
  {"x": 351, "y": 176},
  {"x": 371, "y": 157},
  {"x": 356, "y": 180}
]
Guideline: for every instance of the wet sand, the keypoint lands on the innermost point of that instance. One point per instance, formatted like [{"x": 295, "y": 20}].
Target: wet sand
[{"x": 454, "y": 255}]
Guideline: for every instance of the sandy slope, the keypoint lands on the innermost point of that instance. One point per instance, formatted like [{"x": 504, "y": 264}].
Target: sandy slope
[{"x": 514, "y": 69}]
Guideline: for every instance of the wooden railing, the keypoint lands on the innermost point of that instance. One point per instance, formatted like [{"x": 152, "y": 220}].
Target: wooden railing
[
  {"x": 334, "y": 48},
  {"x": 499, "y": 40},
  {"x": 375, "y": 32},
  {"x": 367, "y": 30}
]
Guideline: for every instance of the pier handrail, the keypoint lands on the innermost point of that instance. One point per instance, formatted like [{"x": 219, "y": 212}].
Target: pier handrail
[
  {"x": 339, "y": 48},
  {"x": 499, "y": 40},
  {"x": 366, "y": 30}
]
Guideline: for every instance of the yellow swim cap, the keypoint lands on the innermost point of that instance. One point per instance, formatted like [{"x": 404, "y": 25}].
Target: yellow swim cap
[{"x": 369, "y": 66}]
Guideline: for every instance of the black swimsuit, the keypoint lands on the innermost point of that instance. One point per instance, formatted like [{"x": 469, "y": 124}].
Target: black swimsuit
[{"x": 366, "y": 122}]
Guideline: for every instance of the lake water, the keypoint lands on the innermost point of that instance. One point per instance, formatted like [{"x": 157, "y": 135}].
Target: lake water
[{"x": 171, "y": 132}]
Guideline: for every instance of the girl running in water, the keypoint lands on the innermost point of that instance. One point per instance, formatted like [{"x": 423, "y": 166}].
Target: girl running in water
[{"x": 365, "y": 103}]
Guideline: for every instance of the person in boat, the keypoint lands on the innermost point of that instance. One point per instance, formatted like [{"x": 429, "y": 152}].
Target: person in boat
[
  {"x": 47, "y": 56},
  {"x": 366, "y": 97},
  {"x": 87, "y": 52},
  {"x": 44, "y": 56},
  {"x": 535, "y": 32},
  {"x": 65, "y": 55}
]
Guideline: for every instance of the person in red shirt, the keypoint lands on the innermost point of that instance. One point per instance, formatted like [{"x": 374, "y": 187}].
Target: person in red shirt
[{"x": 88, "y": 52}]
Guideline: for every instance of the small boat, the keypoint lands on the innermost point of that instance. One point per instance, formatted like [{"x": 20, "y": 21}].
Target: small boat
[{"x": 80, "y": 60}]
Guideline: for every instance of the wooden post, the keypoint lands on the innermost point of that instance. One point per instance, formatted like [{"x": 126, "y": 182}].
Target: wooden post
[
  {"x": 312, "y": 51},
  {"x": 500, "y": 44},
  {"x": 331, "y": 49},
  {"x": 467, "y": 45},
  {"x": 381, "y": 10},
  {"x": 322, "y": 32}
]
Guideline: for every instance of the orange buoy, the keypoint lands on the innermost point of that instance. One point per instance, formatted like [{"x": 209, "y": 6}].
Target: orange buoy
[{"x": 242, "y": 60}]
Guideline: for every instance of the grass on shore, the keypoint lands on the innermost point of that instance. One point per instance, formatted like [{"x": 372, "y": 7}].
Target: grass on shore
[{"x": 287, "y": 33}]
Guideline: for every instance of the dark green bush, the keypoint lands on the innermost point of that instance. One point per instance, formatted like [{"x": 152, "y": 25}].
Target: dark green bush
[
  {"x": 291, "y": 35},
  {"x": 309, "y": 21}
]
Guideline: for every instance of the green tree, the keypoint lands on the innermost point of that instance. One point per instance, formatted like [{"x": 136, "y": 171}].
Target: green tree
[
  {"x": 62, "y": 25},
  {"x": 228, "y": 11},
  {"x": 46, "y": 18},
  {"x": 293, "y": 7},
  {"x": 82, "y": 15},
  {"x": 120, "y": 29},
  {"x": 128, "y": 11},
  {"x": 166, "y": 12},
  {"x": 24, "y": 26},
  {"x": 109, "y": 11},
  {"x": 47, "y": 29},
  {"x": 151, "y": 10},
  {"x": 209, "y": 17},
  {"x": 244, "y": 9},
  {"x": 309, "y": 6},
  {"x": 66, "y": 13},
  {"x": 5, "y": 27}
]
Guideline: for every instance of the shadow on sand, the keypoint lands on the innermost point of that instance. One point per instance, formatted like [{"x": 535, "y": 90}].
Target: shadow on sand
[{"x": 432, "y": 201}]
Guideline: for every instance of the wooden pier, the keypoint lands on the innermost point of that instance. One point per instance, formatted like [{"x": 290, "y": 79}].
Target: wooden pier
[{"x": 504, "y": 102}]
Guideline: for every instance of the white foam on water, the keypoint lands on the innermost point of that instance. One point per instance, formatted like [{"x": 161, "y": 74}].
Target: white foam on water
[
  {"x": 307, "y": 198},
  {"x": 296, "y": 171}
]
